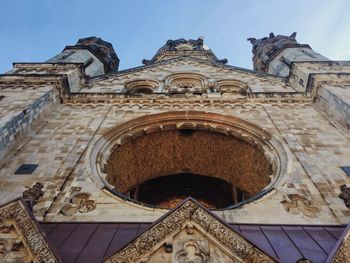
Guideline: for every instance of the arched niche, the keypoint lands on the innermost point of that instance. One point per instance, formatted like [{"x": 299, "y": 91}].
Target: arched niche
[
  {"x": 143, "y": 86},
  {"x": 231, "y": 86},
  {"x": 186, "y": 83}
]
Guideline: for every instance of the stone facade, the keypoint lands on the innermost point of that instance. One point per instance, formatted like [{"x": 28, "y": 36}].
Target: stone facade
[
  {"x": 190, "y": 233},
  {"x": 69, "y": 115}
]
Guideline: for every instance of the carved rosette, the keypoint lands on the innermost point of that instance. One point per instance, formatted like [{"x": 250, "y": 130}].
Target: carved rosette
[
  {"x": 173, "y": 222},
  {"x": 16, "y": 214}
]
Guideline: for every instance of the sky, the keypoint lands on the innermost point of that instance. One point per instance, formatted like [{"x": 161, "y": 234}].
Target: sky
[{"x": 36, "y": 30}]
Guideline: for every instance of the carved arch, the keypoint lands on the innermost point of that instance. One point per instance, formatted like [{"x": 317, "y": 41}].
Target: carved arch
[
  {"x": 100, "y": 151},
  {"x": 141, "y": 86},
  {"x": 186, "y": 82},
  {"x": 231, "y": 86}
]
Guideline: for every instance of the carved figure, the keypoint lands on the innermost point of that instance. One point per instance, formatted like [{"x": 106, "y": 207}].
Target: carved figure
[
  {"x": 345, "y": 194},
  {"x": 32, "y": 195}
]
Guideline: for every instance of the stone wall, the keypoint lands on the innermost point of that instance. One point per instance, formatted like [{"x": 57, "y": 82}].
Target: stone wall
[
  {"x": 335, "y": 100},
  {"x": 19, "y": 107},
  {"x": 59, "y": 143},
  {"x": 60, "y": 146}
]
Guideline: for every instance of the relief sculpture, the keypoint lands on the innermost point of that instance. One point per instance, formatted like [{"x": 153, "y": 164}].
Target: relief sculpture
[
  {"x": 193, "y": 251},
  {"x": 296, "y": 204},
  {"x": 345, "y": 194},
  {"x": 78, "y": 202},
  {"x": 32, "y": 195}
]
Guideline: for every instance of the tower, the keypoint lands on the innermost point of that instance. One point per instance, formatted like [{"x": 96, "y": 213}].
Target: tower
[
  {"x": 97, "y": 56},
  {"x": 275, "y": 54}
]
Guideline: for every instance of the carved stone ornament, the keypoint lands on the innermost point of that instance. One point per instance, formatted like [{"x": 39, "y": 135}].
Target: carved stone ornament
[
  {"x": 32, "y": 195},
  {"x": 192, "y": 249},
  {"x": 342, "y": 252},
  {"x": 78, "y": 202},
  {"x": 304, "y": 260},
  {"x": 345, "y": 194},
  {"x": 296, "y": 204},
  {"x": 20, "y": 238}
]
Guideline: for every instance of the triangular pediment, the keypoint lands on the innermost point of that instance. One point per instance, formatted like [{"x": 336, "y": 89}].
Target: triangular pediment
[
  {"x": 190, "y": 233},
  {"x": 20, "y": 238},
  {"x": 185, "y": 64}
]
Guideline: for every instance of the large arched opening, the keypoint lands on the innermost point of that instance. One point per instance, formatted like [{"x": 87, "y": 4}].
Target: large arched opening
[{"x": 161, "y": 159}]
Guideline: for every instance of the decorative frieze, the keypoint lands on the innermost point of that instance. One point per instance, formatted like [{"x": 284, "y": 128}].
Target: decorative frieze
[
  {"x": 186, "y": 247},
  {"x": 20, "y": 237}
]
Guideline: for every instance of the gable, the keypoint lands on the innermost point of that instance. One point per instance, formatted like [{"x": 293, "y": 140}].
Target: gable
[
  {"x": 20, "y": 237},
  {"x": 161, "y": 71},
  {"x": 190, "y": 233}
]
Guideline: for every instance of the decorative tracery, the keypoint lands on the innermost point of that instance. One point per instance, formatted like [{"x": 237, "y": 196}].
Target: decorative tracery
[{"x": 186, "y": 83}]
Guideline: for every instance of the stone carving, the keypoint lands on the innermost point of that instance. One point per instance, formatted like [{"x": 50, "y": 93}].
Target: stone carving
[
  {"x": 79, "y": 202},
  {"x": 32, "y": 195},
  {"x": 296, "y": 204},
  {"x": 345, "y": 194},
  {"x": 192, "y": 250},
  {"x": 229, "y": 238},
  {"x": 343, "y": 252},
  {"x": 304, "y": 260},
  {"x": 182, "y": 45},
  {"x": 172, "y": 45},
  {"x": 141, "y": 86},
  {"x": 182, "y": 83},
  {"x": 20, "y": 239},
  {"x": 232, "y": 86},
  {"x": 11, "y": 247}
]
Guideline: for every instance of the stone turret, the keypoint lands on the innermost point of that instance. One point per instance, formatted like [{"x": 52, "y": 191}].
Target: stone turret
[
  {"x": 185, "y": 48},
  {"x": 97, "y": 55},
  {"x": 275, "y": 54}
]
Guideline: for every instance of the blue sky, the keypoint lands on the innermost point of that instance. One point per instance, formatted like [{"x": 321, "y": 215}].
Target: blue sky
[{"x": 36, "y": 30}]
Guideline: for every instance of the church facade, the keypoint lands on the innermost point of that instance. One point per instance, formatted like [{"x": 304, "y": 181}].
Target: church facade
[{"x": 183, "y": 159}]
